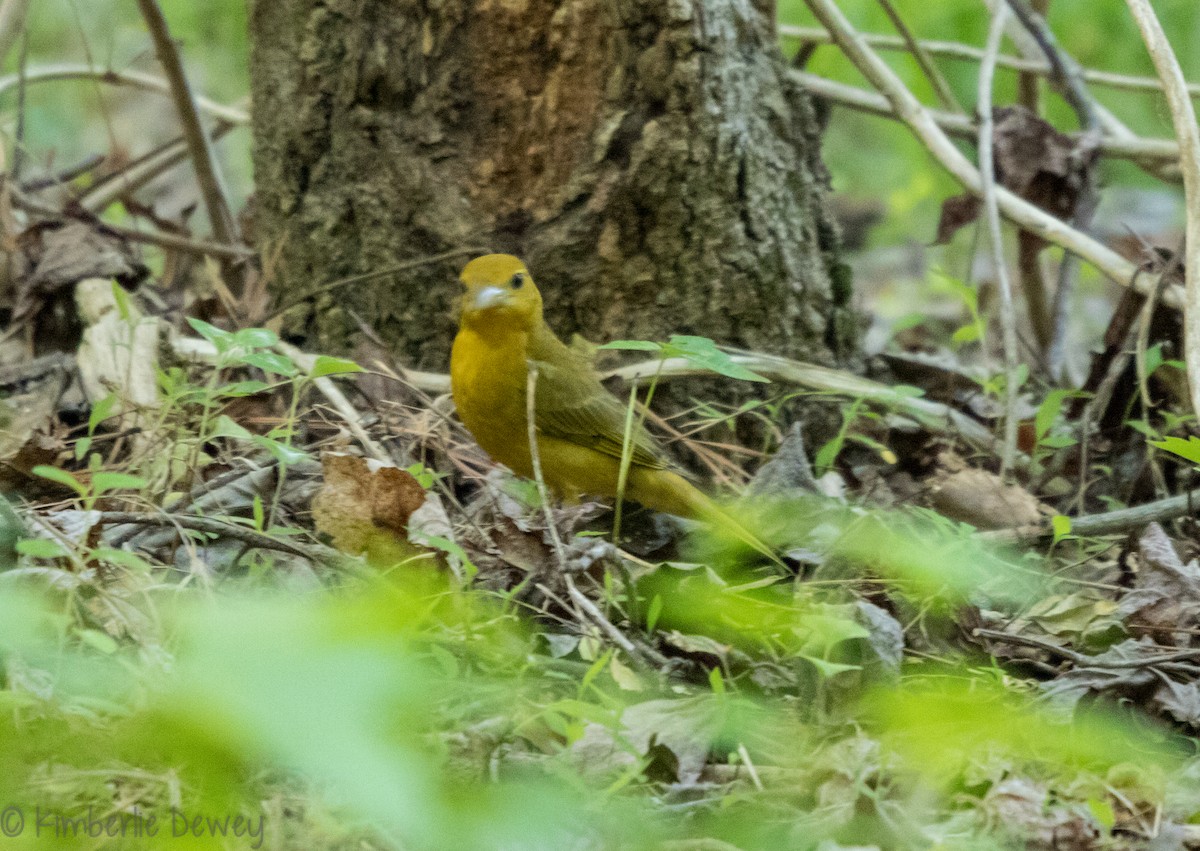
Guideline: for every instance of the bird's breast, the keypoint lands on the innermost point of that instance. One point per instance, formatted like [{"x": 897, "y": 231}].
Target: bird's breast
[{"x": 488, "y": 380}]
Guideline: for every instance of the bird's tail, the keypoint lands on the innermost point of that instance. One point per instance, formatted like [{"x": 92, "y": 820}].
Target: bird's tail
[{"x": 663, "y": 490}]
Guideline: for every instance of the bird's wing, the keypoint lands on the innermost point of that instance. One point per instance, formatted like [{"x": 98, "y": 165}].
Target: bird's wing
[{"x": 571, "y": 404}]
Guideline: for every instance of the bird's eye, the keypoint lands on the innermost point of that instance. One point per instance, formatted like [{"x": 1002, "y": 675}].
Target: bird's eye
[{"x": 517, "y": 281}]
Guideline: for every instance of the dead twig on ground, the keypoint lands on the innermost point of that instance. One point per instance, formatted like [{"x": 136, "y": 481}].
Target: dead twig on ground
[
  {"x": 313, "y": 552},
  {"x": 1107, "y": 523}
]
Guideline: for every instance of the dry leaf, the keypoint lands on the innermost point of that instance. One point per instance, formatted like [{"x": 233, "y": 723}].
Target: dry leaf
[{"x": 365, "y": 507}]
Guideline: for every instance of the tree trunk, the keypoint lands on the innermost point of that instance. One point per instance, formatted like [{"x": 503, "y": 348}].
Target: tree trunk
[{"x": 651, "y": 161}]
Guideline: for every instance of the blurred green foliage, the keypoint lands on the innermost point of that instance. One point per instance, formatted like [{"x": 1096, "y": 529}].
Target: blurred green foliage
[{"x": 398, "y": 709}]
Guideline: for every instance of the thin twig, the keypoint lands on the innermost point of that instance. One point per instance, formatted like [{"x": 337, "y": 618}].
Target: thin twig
[
  {"x": 987, "y": 168},
  {"x": 935, "y": 416},
  {"x": 536, "y": 460},
  {"x": 1067, "y": 78},
  {"x": 1183, "y": 115},
  {"x": 646, "y": 656},
  {"x": 211, "y": 526},
  {"x": 1108, "y": 523},
  {"x": 1029, "y": 641},
  {"x": 336, "y": 398},
  {"x": 204, "y": 158},
  {"x": 1066, "y": 75},
  {"x": 130, "y": 79},
  {"x": 102, "y": 194},
  {"x": 1158, "y": 156},
  {"x": 969, "y": 53},
  {"x": 941, "y": 88},
  {"x": 159, "y": 238},
  {"x": 1082, "y": 658},
  {"x": 1017, "y": 209},
  {"x": 404, "y": 266}
]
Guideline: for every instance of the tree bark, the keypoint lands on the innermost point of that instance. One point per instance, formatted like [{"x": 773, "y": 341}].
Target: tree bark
[{"x": 651, "y": 161}]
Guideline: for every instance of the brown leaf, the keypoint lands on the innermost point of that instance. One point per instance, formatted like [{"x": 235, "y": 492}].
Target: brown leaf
[
  {"x": 1165, "y": 602},
  {"x": 957, "y": 212},
  {"x": 1033, "y": 160},
  {"x": 982, "y": 499},
  {"x": 365, "y": 506}
]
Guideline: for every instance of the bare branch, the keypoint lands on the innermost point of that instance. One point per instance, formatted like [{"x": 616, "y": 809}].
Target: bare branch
[
  {"x": 1184, "y": 117},
  {"x": 940, "y": 87},
  {"x": 966, "y": 52},
  {"x": 203, "y": 156},
  {"x": 991, "y": 210},
  {"x": 1156, "y": 154},
  {"x": 131, "y": 79},
  {"x": 1015, "y": 208}
]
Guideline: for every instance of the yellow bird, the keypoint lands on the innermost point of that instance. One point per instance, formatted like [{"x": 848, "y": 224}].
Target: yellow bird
[{"x": 580, "y": 425}]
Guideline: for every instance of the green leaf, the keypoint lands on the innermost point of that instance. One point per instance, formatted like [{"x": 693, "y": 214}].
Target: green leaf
[
  {"x": 1154, "y": 358},
  {"x": 221, "y": 339},
  {"x": 704, "y": 352},
  {"x": 633, "y": 345},
  {"x": 1102, "y": 812},
  {"x": 101, "y": 641},
  {"x": 40, "y": 548},
  {"x": 255, "y": 338},
  {"x": 226, "y": 427},
  {"x": 716, "y": 681},
  {"x": 1058, "y": 441},
  {"x": 123, "y": 558},
  {"x": 268, "y": 362},
  {"x": 243, "y": 388},
  {"x": 829, "y": 669},
  {"x": 326, "y": 365},
  {"x": 121, "y": 297},
  {"x": 1048, "y": 411},
  {"x": 63, "y": 477},
  {"x": 654, "y": 612},
  {"x": 107, "y": 481},
  {"x": 1188, "y": 449},
  {"x": 1061, "y": 524},
  {"x": 965, "y": 334},
  {"x": 101, "y": 411},
  {"x": 281, "y": 452}
]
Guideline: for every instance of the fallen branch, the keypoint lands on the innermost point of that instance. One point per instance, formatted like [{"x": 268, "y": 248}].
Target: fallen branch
[
  {"x": 935, "y": 416},
  {"x": 313, "y": 552},
  {"x": 1108, "y": 523}
]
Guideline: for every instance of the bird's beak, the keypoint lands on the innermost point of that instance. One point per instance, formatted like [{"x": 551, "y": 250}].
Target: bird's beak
[{"x": 488, "y": 297}]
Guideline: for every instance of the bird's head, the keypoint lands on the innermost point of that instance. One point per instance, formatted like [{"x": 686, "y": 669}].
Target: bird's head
[{"x": 499, "y": 291}]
